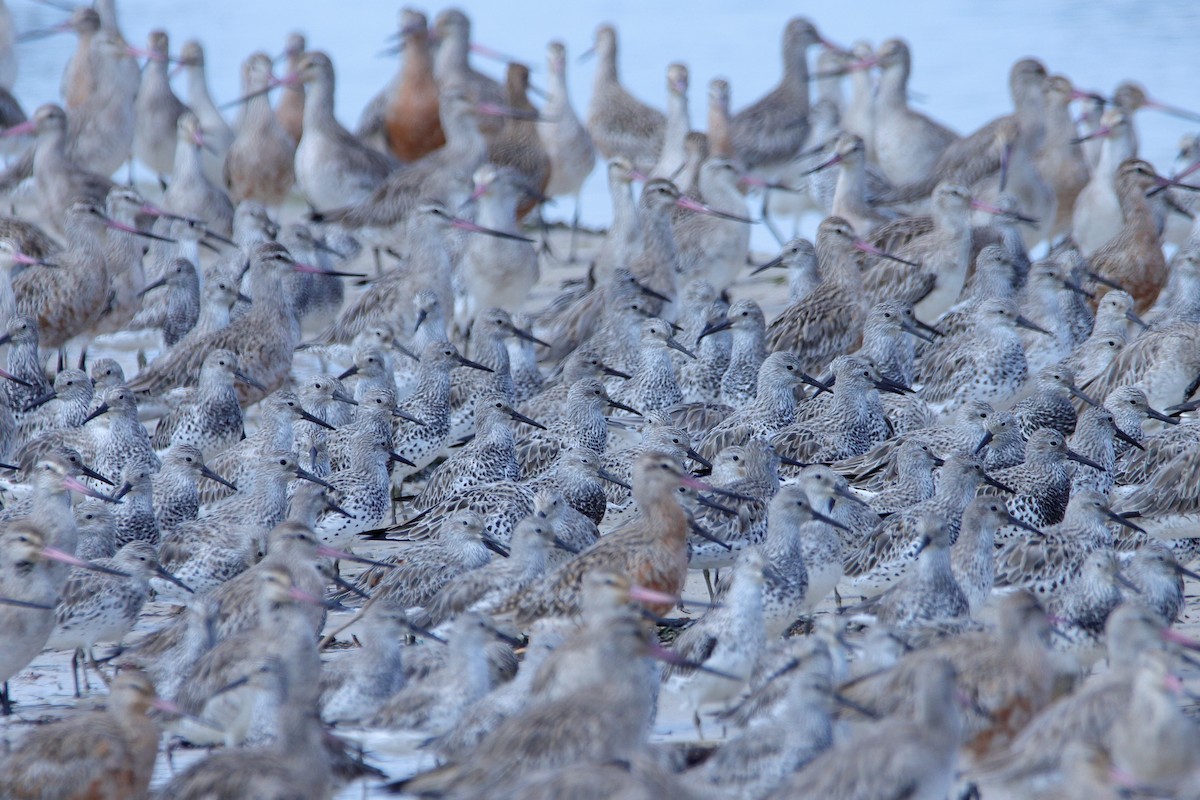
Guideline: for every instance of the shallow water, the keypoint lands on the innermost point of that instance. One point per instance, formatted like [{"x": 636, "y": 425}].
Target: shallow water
[{"x": 962, "y": 51}]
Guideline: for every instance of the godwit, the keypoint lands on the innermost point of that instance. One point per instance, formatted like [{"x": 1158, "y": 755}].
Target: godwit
[
  {"x": 443, "y": 176},
  {"x": 1003, "y": 150},
  {"x": 111, "y": 752},
  {"x": 1097, "y": 210},
  {"x": 412, "y": 124},
  {"x": 289, "y": 111},
  {"x": 259, "y": 165},
  {"x": 103, "y": 126},
  {"x": 1090, "y": 711},
  {"x": 567, "y": 142},
  {"x": 517, "y": 143},
  {"x": 499, "y": 272},
  {"x": 78, "y": 80},
  {"x": 908, "y": 144},
  {"x": 333, "y": 169},
  {"x": 60, "y": 181},
  {"x": 217, "y": 133},
  {"x": 713, "y": 246},
  {"x": 850, "y": 193},
  {"x": 157, "y": 110},
  {"x": 771, "y": 131},
  {"x": 620, "y": 124},
  {"x": 1061, "y": 159},
  {"x": 451, "y": 66},
  {"x": 191, "y": 194},
  {"x": 25, "y": 575},
  {"x": 1133, "y": 257},
  {"x": 672, "y": 156},
  {"x": 63, "y": 300}
]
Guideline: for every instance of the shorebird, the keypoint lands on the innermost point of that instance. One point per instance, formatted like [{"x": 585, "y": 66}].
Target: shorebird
[
  {"x": 333, "y": 169},
  {"x": 1062, "y": 161},
  {"x": 423, "y": 568},
  {"x": 915, "y": 462},
  {"x": 289, "y": 111},
  {"x": 487, "y": 458},
  {"x": 505, "y": 700},
  {"x": 920, "y": 751},
  {"x": 355, "y": 685},
  {"x": 850, "y": 424},
  {"x": 410, "y": 111},
  {"x": 1085, "y": 605},
  {"x": 26, "y": 576},
  {"x": 486, "y": 587},
  {"x": 620, "y": 124},
  {"x": 102, "y": 608},
  {"x": 567, "y": 142},
  {"x": 498, "y": 272},
  {"x": 517, "y": 144},
  {"x": 263, "y": 339},
  {"x": 713, "y": 243},
  {"x": 452, "y": 31},
  {"x": 652, "y": 548},
  {"x": 156, "y": 109},
  {"x": 887, "y": 554},
  {"x": 762, "y": 755},
  {"x": 363, "y": 488},
  {"x": 78, "y": 81},
  {"x": 1132, "y": 257},
  {"x": 111, "y": 752},
  {"x": 1089, "y": 712},
  {"x": 259, "y": 164},
  {"x": 192, "y": 194},
  {"x": 280, "y": 603},
  {"x": 729, "y": 638},
  {"x": 992, "y": 354},
  {"x": 619, "y": 725},
  {"x": 1097, "y": 210},
  {"x": 808, "y": 327},
  {"x": 218, "y": 136},
  {"x": 907, "y": 144},
  {"x": 654, "y": 385},
  {"x": 209, "y": 550},
  {"x": 426, "y": 705},
  {"x": 771, "y": 131},
  {"x": 276, "y": 431},
  {"x": 929, "y": 594},
  {"x": 295, "y": 762},
  {"x": 672, "y": 157},
  {"x": 176, "y": 496},
  {"x": 583, "y": 423},
  {"x": 1008, "y": 673},
  {"x": 209, "y": 417}
]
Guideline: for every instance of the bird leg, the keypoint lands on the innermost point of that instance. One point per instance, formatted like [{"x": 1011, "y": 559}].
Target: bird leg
[{"x": 767, "y": 219}]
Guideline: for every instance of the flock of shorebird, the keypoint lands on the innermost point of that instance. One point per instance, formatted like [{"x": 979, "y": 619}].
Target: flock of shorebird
[{"x": 987, "y": 462}]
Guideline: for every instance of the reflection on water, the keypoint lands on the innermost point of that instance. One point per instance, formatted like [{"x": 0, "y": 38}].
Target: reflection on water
[{"x": 962, "y": 50}]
